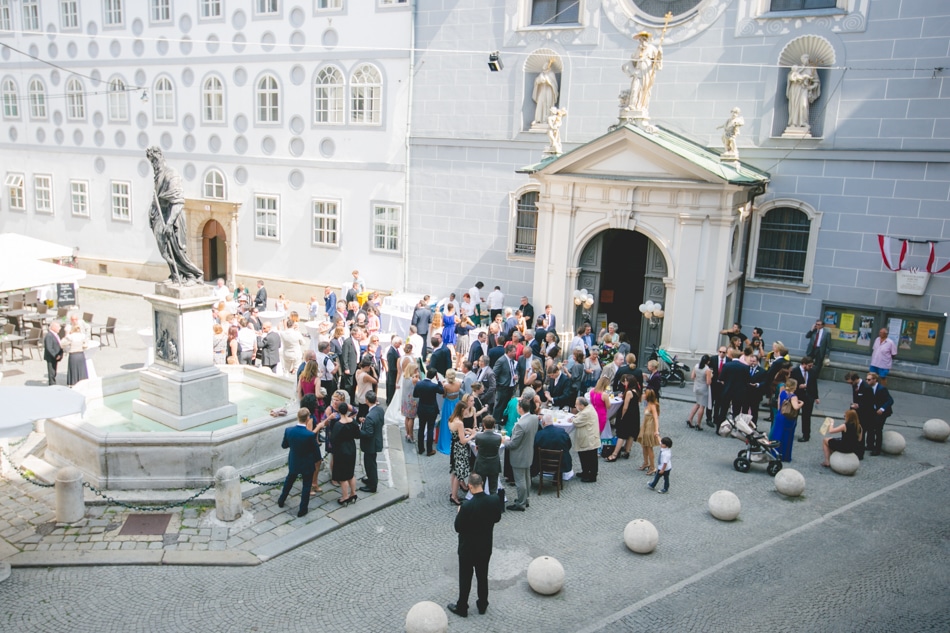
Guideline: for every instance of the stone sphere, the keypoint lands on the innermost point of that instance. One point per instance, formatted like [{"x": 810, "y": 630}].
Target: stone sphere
[
  {"x": 844, "y": 463},
  {"x": 724, "y": 505},
  {"x": 893, "y": 443},
  {"x": 790, "y": 482},
  {"x": 936, "y": 430},
  {"x": 641, "y": 536},
  {"x": 546, "y": 575},
  {"x": 427, "y": 617}
]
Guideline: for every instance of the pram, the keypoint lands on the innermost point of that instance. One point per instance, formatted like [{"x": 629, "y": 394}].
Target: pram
[{"x": 759, "y": 448}]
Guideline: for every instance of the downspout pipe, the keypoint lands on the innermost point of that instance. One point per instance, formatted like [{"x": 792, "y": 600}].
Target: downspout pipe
[{"x": 754, "y": 193}]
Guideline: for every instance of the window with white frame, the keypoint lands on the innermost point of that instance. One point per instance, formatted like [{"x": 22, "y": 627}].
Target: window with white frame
[
  {"x": 6, "y": 16},
  {"x": 212, "y": 100},
  {"x": 16, "y": 196},
  {"x": 266, "y": 217},
  {"x": 121, "y": 201},
  {"x": 267, "y": 7},
  {"x": 366, "y": 96},
  {"x": 8, "y": 94},
  {"x": 79, "y": 197},
  {"x": 214, "y": 185},
  {"x": 75, "y": 100},
  {"x": 211, "y": 9},
  {"x": 164, "y": 100},
  {"x": 328, "y": 96},
  {"x": 525, "y": 224},
  {"x": 329, "y": 4},
  {"x": 43, "y": 193},
  {"x": 326, "y": 222},
  {"x": 801, "y": 5},
  {"x": 160, "y": 11},
  {"x": 37, "y": 98},
  {"x": 69, "y": 14},
  {"x": 785, "y": 237},
  {"x": 31, "y": 15},
  {"x": 268, "y": 100},
  {"x": 118, "y": 100},
  {"x": 386, "y": 220},
  {"x": 548, "y": 12},
  {"x": 392, "y": 3},
  {"x": 113, "y": 12}
]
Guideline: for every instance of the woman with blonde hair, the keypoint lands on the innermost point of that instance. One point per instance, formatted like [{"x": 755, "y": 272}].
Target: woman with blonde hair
[
  {"x": 459, "y": 463},
  {"x": 598, "y": 400},
  {"x": 452, "y": 389},
  {"x": 409, "y": 371},
  {"x": 649, "y": 430},
  {"x": 783, "y": 428}
]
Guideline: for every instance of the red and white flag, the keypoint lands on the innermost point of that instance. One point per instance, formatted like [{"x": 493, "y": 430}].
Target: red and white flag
[
  {"x": 887, "y": 246},
  {"x": 932, "y": 262}
]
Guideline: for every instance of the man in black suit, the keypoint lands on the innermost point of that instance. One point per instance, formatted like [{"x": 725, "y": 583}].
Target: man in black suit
[
  {"x": 353, "y": 293},
  {"x": 392, "y": 367},
  {"x": 882, "y": 402},
  {"x": 349, "y": 361},
  {"x": 554, "y": 438},
  {"x": 862, "y": 401},
  {"x": 269, "y": 345},
  {"x": 52, "y": 351},
  {"x": 817, "y": 346},
  {"x": 510, "y": 324},
  {"x": 734, "y": 379},
  {"x": 506, "y": 377},
  {"x": 441, "y": 358},
  {"x": 559, "y": 389},
  {"x": 304, "y": 455},
  {"x": 371, "y": 442},
  {"x": 488, "y": 461},
  {"x": 486, "y": 376},
  {"x": 807, "y": 393},
  {"x": 716, "y": 387},
  {"x": 422, "y": 318},
  {"x": 475, "y": 523},
  {"x": 426, "y": 391},
  {"x": 757, "y": 377},
  {"x": 260, "y": 299},
  {"x": 479, "y": 348},
  {"x": 497, "y": 350}
]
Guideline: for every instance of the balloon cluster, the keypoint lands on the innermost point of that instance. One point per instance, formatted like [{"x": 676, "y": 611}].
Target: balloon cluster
[
  {"x": 651, "y": 310},
  {"x": 583, "y": 298}
]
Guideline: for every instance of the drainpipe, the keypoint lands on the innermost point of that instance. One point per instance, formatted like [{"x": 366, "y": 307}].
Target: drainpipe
[
  {"x": 405, "y": 223},
  {"x": 755, "y": 192}
]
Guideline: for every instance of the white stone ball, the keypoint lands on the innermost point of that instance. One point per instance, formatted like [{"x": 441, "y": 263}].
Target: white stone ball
[
  {"x": 936, "y": 430},
  {"x": 427, "y": 617},
  {"x": 790, "y": 482},
  {"x": 893, "y": 443},
  {"x": 844, "y": 463},
  {"x": 546, "y": 575},
  {"x": 724, "y": 505},
  {"x": 641, "y": 536}
]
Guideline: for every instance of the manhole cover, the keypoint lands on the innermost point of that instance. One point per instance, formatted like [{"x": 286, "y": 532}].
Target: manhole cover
[{"x": 145, "y": 524}]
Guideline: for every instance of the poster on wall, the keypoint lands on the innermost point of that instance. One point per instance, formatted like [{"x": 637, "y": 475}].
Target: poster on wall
[
  {"x": 865, "y": 331},
  {"x": 894, "y": 330},
  {"x": 927, "y": 333}
]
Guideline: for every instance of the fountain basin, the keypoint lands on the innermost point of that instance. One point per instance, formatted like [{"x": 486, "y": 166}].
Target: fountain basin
[{"x": 118, "y": 449}]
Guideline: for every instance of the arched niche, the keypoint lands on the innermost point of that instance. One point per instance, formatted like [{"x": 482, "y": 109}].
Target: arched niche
[{"x": 534, "y": 66}]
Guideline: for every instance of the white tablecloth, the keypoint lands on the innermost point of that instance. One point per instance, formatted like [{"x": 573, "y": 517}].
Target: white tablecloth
[{"x": 392, "y": 321}]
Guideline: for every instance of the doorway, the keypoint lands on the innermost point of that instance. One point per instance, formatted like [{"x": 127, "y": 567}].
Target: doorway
[{"x": 214, "y": 250}]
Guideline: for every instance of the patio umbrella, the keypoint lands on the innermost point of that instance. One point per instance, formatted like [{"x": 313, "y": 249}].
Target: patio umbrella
[{"x": 24, "y": 405}]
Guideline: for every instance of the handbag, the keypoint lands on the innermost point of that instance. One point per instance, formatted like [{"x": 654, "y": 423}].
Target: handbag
[
  {"x": 788, "y": 411},
  {"x": 232, "y": 360}
]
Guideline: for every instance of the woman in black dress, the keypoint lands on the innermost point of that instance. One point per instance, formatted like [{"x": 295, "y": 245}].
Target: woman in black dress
[
  {"x": 343, "y": 437},
  {"x": 628, "y": 423},
  {"x": 850, "y": 441}
]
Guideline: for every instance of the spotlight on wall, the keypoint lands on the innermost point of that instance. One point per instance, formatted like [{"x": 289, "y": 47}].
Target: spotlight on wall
[
  {"x": 145, "y": 96},
  {"x": 494, "y": 62}
]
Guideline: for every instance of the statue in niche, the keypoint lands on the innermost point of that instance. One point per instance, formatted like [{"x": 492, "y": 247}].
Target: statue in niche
[
  {"x": 545, "y": 93},
  {"x": 642, "y": 68},
  {"x": 730, "y": 130},
  {"x": 167, "y": 221},
  {"x": 555, "y": 119},
  {"x": 802, "y": 90}
]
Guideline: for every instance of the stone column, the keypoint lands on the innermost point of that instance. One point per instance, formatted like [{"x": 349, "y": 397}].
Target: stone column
[
  {"x": 70, "y": 506},
  {"x": 228, "y": 504},
  {"x": 570, "y": 310},
  {"x": 233, "y": 249}
]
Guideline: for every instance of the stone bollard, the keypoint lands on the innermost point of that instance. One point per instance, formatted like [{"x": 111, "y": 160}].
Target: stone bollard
[
  {"x": 228, "y": 504},
  {"x": 724, "y": 505},
  {"x": 790, "y": 482},
  {"x": 844, "y": 463},
  {"x": 936, "y": 430},
  {"x": 893, "y": 443},
  {"x": 70, "y": 505},
  {"x": 426, "y": 617},
  {"x": 546, "y": 575},
  {"x": 641, "y": 536}
]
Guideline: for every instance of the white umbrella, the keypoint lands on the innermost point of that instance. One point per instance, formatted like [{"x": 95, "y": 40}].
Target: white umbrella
[
  {"x": 19, "y": 246},
  {"x": 19, "y": 273},
  {"x": 24, "y": 405}
]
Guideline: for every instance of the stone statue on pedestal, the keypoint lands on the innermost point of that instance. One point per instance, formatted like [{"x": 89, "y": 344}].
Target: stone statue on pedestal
[
  {"x": 730, "y": 130},
  {"x": 167, "y": 221},
  {"x": 545, "y": 93},
  {"x": 554, "y": 131},
  {"x": 642, "y": 68},
  {"x": 802, "y": 89}
]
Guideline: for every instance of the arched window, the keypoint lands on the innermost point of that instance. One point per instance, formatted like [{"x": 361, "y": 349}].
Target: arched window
[
  {"x": 526, "y": 224},
  {"x": 212, "y": 100},
  {"x": 118, "y": 100},
  {"x": 75, "y": 100},
  {"x": 37, "y": 99},
  {"x": 214, "y": 185},
  {"x": 164, "y": 95},
  {"x": 328, "y": 96},
  {"x": 268, "y": 100},
  {"x": 8, "y": 93},
  {"x": 366, "y": 96},
  {"x": 784, "y": 241}
]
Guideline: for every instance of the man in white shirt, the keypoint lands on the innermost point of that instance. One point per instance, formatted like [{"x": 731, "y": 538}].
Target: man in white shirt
[
  {"x": 247, "y": 339},
  {"x": 416, "y": 341},
  {"x": 496, "y": 301},
  {"x": 475, "y": 292},
  {"x": 220, "y": 292},
  {"x": 444, "y": 301}
]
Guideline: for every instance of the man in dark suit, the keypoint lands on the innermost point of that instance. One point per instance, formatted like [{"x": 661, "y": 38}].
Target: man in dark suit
[
  {"x": 716, "y": 387},
  {"x": 329, "y": 301},
  {"x": 559, "y": 389},
  {"x": 882, "y": 402},
  {"x": 510, "y": 324},
  {"x": 527, "y": 311},
  {"x": 486, "y": 376},
  {"x": 488, "y": 447},
  {"x": 392, "y": 367},
  {"x": 554, "y": 438},
  {"x": 422, "y": 318},
  {"x": 757, "y": 377},
  {"x": 269, "y": 344},
  {"x": 550, "y": 321},
  {"x": 506, "y": 377},
  {"x": 371, "y": 442},
  {"x": 734, "y": 379},
  {"x": 304, "y": 455},
  {"x": 52, "y": 351},
  {"x": 426, "y": 391},
  {"x": 524, "y": 363},
  {"x": 479, "y": 348},
  {"x": 520, "y": 448},
  {"x": 807, "y": 393},
  {"x": 349, "y": 361},
  {"x": 353, "y": 293},
  {"x": 260, "y": 299},
  {"x": 441, "y": 358},
  {"x": 817, "y": 346},
  {"x": 497, "y": 350},
  {"x": 475, "y": 523},
  {"x": 862, "y": 401}
]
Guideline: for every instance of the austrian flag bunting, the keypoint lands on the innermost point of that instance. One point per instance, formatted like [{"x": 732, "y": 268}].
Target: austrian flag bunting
[
  {"x": 887, "y": 246},
  {"x": 932, "y": 262}
]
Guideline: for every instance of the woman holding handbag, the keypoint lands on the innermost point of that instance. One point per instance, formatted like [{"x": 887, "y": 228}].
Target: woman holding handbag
[{"x": 786, "y": 419}]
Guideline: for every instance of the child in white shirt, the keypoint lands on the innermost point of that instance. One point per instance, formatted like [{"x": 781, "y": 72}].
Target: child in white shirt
[{"x": 663, "y": 468}]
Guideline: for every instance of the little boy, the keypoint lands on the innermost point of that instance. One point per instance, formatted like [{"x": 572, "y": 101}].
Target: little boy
[{"x": 663, "y": 468}]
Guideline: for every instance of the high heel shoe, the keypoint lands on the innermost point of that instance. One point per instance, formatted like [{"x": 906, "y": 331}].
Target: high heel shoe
[
  {"x": 643, "y": 467},
  {"x": 454, "y": 501},
  {"x": 651, "y": 472},
  {"x": 625, "y": 454},
  {"x": 351, "y": 500}
]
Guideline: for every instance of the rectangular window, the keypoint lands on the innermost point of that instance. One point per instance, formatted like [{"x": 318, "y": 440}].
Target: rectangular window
[
  {"x": 69, "y": 14},
  {"x": 15, "y": 194},
  {"x": 802, "y": 5},
  {"x": 386, "y": 228},
  {"x": 79, "y": 197},
  {"x": 783, "y": 245},
  {"x": 43, "y": 193},
  {"x": 326, "y": 222},
  {"x": 210, "y": 9},
  {"x": 546, "y": 12},
  {"x": 329, "y": 4},
  {"x": 6, "y": 17},
  {"x": 161, "y": 11},
  {"x": 266, "y": 217},
  {"x": 267, "y": 7},
  {"x": 121, "y": 201},
  {"x": 526, "y": 224},
  {"x": 31, "y": 15},
  {"x": 113, "y": 15},
  {"x": 392, "y": 3}
]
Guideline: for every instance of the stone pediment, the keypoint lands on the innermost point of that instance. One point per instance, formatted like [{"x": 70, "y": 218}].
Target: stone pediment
[{"x": 631, "y": 153}]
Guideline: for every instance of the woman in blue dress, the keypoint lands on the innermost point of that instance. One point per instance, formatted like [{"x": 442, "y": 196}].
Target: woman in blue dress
[
  {"x": 783, "y": 428},
  {"x": 453, "y": 388},
  {"x": 448, "y": 328}
]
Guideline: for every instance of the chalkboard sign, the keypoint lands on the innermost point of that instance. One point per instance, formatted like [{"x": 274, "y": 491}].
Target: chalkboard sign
[{"x": 65, "y": 295}]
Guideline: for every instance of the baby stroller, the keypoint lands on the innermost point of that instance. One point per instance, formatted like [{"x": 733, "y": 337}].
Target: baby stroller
[{"x": 759, "y": 448}]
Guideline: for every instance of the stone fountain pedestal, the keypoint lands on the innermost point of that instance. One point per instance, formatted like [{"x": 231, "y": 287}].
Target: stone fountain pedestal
[{"x": 183, "y": 389}]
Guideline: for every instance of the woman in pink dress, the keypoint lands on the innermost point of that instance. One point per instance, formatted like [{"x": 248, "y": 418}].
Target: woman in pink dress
[{"x": 598, "y": 400}]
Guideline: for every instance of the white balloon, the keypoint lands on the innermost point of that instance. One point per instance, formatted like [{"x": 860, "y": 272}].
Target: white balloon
[
  {"x": 651, "y": 306},
  {"x": 658, "y": 307},
  {"x": 642, "y": 308},
  {"x": 583, "y": 291},
  {"x": 577, "y": 293}
]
